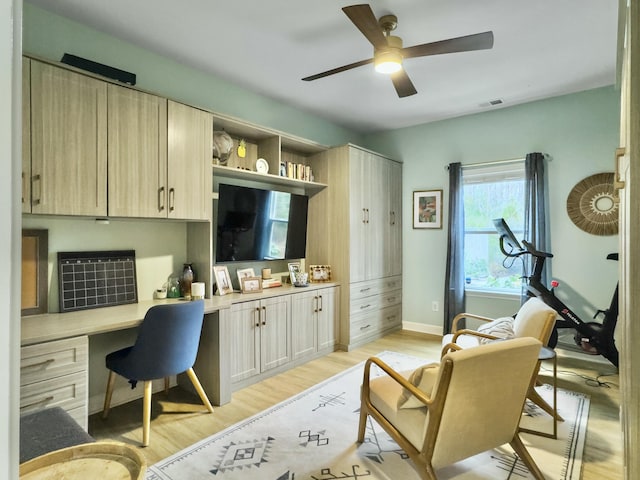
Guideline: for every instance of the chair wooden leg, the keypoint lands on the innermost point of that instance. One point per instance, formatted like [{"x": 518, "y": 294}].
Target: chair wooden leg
[
  {"x": 108, "y": 394},
  {"x": 538, "y": 400},
  {"x": 362, "y": 425},
  {"x": 526, "y": 458},
  {"x": 196, "y": 383},
  {"x": 146, "y": 412},
  {"x": 166, "y": 385}
]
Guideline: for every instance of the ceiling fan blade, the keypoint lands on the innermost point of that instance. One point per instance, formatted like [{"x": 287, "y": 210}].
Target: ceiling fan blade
[
  {"x": 477, "y": 41},
  {"x": 362, "y": 17},
  {"x": 403, "y": 84},
  {"x": 338, "y": 70}
]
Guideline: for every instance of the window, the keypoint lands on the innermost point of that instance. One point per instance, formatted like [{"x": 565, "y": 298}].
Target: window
[
  {"x": 489, "y": 192},
  {"x": 279, "y": 203}
]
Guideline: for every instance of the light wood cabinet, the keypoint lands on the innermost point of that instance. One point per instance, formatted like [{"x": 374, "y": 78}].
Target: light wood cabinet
[
  {"x": 137, "y": 140},
  {"x": 260, "y": 336},
  {"x": 55, "y": 374},
  {"x": 314, "y": 316},
  {"x": 26, "y": 135},
  {"x": 360, "y": 234},
  {"x": 189, "y": 162},
  {"x": 68, "y": 142}
]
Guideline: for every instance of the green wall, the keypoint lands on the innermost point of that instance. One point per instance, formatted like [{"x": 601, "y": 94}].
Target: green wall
[{"x": 579, "y": 132}]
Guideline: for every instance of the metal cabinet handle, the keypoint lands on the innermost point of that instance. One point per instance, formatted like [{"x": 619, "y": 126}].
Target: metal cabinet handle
[
  {"x": 37, "y": 402},
  {"x": 315, "y": 307},
  {"x": 172, "y": 199},
  {"x": 39, "y": 364},
  {"x": 365, "y": 327},
  {"x": 161, "y": 199},
  {"x": 364, "y": 215},
  {"x": 362, "y": 307},
  {"x": 367, "y": 216},
  {"x": 617, "y": 183},
  {"x": 321, "y": 303},
  {"x": 264, "y": 315},
  {"x": 362, "y": 290},
  {"x": 257, "y": 314},
  {"x": 34, "y": 179}
]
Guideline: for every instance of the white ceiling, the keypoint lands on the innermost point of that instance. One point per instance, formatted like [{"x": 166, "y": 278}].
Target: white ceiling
[{"x": 542, "y": 48}]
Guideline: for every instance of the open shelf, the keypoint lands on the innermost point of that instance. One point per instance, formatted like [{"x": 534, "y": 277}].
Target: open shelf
[{"x": 239, "y": 173}]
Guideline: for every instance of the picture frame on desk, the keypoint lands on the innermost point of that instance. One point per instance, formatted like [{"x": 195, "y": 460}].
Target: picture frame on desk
[
  {"x": 244, "y": 273},
  {"x": 294, "y": 268},
  {"x": 251, "y": 285},
  {"x": 223, "y": 279},
  {"x": 319, "y": 273},
  {"x": 427, "y": 209}
]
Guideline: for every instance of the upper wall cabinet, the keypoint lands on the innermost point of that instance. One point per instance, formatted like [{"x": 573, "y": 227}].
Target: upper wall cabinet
[
  {"x": 26, "y": 135},
  {"x": 189, "y": 162},
  {"x": 137, "y": 153},
  {"x": 68, "y": 142}
]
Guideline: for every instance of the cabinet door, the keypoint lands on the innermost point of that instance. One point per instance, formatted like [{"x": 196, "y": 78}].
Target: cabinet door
[
  {"x": 393, "y": 236},
  {"x": 378, "y": 216},
  {"x": 244, "y": 359},
  {"x": 189, "y": 162},
  {"x": 68, "y": 142},
  {"x": 26, "y": 135},
  {"x": 359, "y": 184},
  {"x": 137, "y": 139},
  {"x": 275, "y": 330},
  {"x": 328, "y": 314},
  {"x": 304, "y": 308}
]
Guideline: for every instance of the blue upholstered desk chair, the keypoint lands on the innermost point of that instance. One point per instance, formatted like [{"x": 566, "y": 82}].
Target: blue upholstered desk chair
[{"x": 167, "y": 345}]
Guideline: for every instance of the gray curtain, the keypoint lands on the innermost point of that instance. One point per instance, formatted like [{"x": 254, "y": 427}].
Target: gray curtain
[
  {"x": 535, "y": 230},
  {"x": 454, "y": 295}
]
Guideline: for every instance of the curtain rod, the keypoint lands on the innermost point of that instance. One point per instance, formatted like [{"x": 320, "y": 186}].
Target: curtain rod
[{"x": 497, "y": 162}]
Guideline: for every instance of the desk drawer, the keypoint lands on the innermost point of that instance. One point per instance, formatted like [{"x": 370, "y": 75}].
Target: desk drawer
[
  {"x": 47, "y": 360},
  {"x": 67, "y": 392}
]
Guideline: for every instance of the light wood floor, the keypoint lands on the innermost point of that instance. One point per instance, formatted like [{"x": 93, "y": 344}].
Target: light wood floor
[{"x": 179, "y": 419}]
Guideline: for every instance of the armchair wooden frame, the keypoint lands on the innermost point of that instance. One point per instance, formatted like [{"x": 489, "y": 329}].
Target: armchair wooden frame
[
  {"x": 435, "y": 404},
  {"x": 545, "y": 334}
]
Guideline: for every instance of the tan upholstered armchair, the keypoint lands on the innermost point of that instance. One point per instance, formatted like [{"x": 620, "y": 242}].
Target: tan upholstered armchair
[
  {"x": 534, "y": 319},
  {"x": 442, "y": 414}
]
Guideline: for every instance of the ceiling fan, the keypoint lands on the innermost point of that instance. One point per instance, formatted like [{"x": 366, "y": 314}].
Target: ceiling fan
[{"x": 388, "y": 51}]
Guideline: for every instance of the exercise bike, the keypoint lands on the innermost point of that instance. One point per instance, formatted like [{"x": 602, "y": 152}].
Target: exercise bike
[{"x": 592, "y": 337}]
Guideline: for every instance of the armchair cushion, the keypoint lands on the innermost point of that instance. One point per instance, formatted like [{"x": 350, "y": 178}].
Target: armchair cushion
[
  {"x": 423, "y": 378},
  {"x": 501, "y": 328}
]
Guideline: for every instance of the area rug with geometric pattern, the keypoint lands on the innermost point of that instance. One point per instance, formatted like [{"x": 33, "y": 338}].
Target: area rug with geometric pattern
[{"x": 312, "y": 436}]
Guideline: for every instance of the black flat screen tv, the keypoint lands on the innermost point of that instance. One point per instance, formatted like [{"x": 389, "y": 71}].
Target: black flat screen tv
[{"x": 255, "y": 224}]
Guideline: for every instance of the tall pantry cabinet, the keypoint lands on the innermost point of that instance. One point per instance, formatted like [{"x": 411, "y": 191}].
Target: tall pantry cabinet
[{"x": 361, "y": 238}]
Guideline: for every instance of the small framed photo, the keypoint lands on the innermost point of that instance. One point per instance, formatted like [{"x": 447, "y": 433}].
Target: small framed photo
[
  {"x": 251, "y": 284},
  {"x": 427, "y": 209},
  {"x": 244, "y": 273},
  {"x": 294, "y": 269},
  {"x": 223, "y": 280},
  {"x": 320, "y": 273}
]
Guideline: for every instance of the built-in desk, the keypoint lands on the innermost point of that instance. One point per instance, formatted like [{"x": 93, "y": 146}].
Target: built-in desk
[{"x": 213, "y": 362}]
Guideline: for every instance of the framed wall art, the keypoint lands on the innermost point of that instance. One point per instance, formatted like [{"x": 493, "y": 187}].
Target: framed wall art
[
  {"x": 427, "y": 209},
  {"x": 223, "y": 280}
]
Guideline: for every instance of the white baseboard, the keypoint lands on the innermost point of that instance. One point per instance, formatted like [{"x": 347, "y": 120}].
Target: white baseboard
[{"x": 422, "y": 328}]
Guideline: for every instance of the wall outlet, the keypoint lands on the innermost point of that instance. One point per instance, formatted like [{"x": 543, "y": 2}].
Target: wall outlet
[{"x": 435, "y": 305}]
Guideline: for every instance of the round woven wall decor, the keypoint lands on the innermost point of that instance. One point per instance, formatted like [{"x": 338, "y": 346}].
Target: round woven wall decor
[{"x": 592, "y": 205}]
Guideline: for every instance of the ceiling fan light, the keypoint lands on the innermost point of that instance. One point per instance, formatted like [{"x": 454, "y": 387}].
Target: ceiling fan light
[{"x": 388, "y": 61}]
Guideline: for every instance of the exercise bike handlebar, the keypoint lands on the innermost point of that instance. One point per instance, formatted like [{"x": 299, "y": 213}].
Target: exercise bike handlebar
[{"x": 536, "y": 253}]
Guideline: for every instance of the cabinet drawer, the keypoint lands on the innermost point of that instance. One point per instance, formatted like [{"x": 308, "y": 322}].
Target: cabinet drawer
[
  {"x": 52, "y": 359},
  {"x": 390, "y": 317},
  {"x": 364, "y": 305},
  {"x": 391, "y": 298},
  {"x": 364, "y": 326},
  {"x": 67, "y": 392},
  {"x": 375, "y": 287}
]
